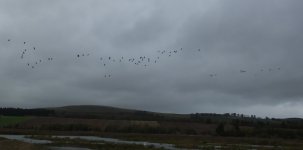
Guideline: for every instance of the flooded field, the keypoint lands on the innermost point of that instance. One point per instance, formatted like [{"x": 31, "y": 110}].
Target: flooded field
[
  {"x": 94, "y": 139},
  {"x": 56, "y": 142}
]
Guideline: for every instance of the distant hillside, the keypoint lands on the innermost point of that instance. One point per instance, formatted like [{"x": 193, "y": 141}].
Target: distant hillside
[
  {"x": 91, "y": 109},
  {"x": 91, "y": 118},
  {"x": 107, "y": 112}
]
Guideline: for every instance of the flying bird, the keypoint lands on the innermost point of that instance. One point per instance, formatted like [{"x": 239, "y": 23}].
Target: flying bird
[{"x": 213, "y": 75}]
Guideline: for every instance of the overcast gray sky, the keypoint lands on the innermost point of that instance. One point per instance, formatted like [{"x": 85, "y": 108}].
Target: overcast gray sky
[{"x": 261, "y": 38}]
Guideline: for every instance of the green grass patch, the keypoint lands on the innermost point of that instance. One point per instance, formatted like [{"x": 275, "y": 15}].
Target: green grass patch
[{"x": 12, "y": 120}]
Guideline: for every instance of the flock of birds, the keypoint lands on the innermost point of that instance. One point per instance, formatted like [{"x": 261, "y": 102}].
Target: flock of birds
[
  {"x": 26, "y": 52},
  {"x": 144, "y": 61},
  {"x": 141, "y": 60}
]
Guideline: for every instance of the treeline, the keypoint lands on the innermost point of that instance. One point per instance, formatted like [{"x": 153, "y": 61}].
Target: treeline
[
  {"x": 108, "y": 128},
  {"x": 267, "y": 128},
  {"x": 134, "y": 115},
  {"x": 25, "y": 112}
]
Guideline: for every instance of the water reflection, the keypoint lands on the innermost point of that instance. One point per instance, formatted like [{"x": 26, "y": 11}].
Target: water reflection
[
  {"x": 22, "y": 138},
  {"x": 112, "y": 140}
]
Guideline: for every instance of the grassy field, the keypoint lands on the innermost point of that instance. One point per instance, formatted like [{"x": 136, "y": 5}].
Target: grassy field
[
  {"x": 11, "y": 120},
  {"x": 96, "y": 145},
  {"x": 181, "y": 141},
  {"x": 6, "y": 144},
  {"x": 195, "y": 142}
]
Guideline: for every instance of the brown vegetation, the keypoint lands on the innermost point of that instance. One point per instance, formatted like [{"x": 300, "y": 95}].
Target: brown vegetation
[{"x": 6, "y": 144}]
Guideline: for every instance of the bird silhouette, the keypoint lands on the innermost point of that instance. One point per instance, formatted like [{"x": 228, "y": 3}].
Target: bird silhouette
[{"x": 213, "y": 75}]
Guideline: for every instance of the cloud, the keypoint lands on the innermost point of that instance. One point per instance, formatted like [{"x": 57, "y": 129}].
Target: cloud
[{"x": 262, "y": 38}]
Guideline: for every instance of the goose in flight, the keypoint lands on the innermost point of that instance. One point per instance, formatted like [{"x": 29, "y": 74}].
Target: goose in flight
[{"x": 213, "y": 75}]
